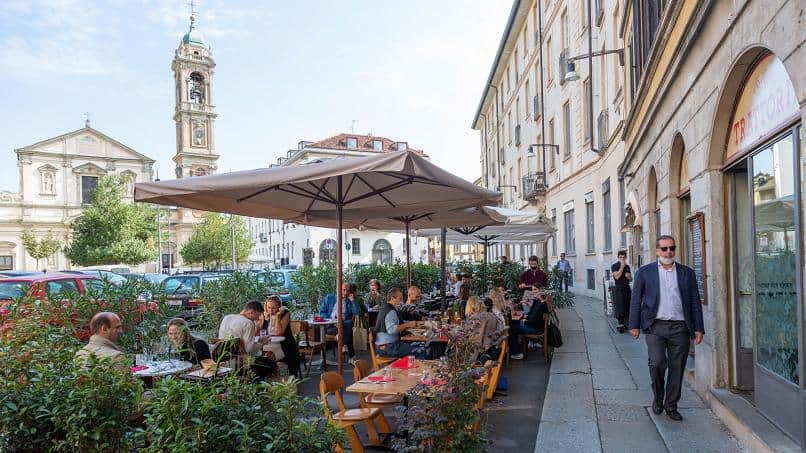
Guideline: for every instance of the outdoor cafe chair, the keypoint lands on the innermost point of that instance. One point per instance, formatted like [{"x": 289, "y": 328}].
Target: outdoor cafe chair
[
  {"x": 525, "y": 338},
  {"x": 378, "y": 362},
  {"x": 360, "y": 371},
  {"x": 331, "y": 382},
  {"x": 307, "y": 347}
]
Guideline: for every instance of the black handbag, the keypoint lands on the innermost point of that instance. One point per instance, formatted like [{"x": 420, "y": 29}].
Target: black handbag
[{"x": 554, "y": 337}]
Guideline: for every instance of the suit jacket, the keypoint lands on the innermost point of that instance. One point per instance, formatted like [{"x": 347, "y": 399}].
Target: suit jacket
[{"x": 646, "y": 298}]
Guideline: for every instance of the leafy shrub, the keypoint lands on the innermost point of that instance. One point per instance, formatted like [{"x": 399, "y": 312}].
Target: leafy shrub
[
  {"x": 439, "y": 417},
  {"x": 227, "y": 295},
  {"x": 47, "y": 401},
  {"x": 234, "y": 415}
]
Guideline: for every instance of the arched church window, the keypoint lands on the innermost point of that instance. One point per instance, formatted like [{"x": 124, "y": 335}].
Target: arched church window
[
  {"x": 327, "y": 250},
  {"x": 196, "y": 88},
  {"x": 382, "y": 252},
  {"x": 48, "y": 185}
]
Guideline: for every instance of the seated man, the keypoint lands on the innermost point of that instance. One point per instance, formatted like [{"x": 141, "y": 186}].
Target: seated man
[
  {"x": 242, "y": 327},
  {"x": 388, "y": 328},
  {"x": 326, "y": 307},
  {"x": 105, "y": 328},
  {"x": 348, "y": 310},
  {"x": 533, "y": 324},
  {"x": 410, "y": 311}
]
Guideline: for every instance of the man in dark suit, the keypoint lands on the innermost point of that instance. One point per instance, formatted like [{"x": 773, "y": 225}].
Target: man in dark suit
[{"x": 666, "y": 305}]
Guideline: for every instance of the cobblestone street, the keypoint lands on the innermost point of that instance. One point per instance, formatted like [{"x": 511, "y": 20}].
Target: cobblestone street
[{"x": 599, "y": 396}]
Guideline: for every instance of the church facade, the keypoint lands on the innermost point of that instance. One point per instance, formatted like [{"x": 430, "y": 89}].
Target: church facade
[{"x": 57, "y": 176}]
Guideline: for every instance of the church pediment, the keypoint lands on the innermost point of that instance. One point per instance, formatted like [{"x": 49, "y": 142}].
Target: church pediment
[
  {"x": 85, "y": 142},
  {"x": 89, "y": 169},
  {"x": 47, "y": 167}
]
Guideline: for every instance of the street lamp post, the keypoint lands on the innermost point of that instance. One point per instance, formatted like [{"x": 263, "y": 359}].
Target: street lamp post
[{"x": 572, "y": 76}]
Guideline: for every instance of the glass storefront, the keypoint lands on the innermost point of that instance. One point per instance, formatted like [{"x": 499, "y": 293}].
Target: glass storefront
[{"x": 775, "y": 259}]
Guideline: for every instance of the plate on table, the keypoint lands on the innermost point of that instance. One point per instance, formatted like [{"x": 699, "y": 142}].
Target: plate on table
[
  {"x": 418, "y": 332},
  {"x": 276, "y": 339}
]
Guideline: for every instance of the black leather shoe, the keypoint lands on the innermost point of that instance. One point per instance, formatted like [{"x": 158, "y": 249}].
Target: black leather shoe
[
  {"x": 622, "y": 329},
  {"x": 674, "y": 415},
  {"x": 657, "y": 408}
]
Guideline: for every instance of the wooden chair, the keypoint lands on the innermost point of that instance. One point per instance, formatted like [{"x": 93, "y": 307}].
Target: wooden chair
[
  {"x": 332, "y": 383},
  {"x": 229, "y": 349},
  {"x": 495, "y": 373},
  {"x": 307, "y": 347},
  {"x": 360, "y": 371},
  {"x": 378, "y": 362},
  {"x": 484, "y": 382},
  {"x": 525, "y": 338}
]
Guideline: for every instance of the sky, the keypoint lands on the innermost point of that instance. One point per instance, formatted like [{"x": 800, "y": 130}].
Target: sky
[{"x": 408, "y": 70}]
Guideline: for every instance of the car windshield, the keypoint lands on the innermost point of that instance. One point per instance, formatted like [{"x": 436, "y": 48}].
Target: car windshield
[
  {"x": 155, "y": 278},
  {"x": 13, "y": 290},
  {"x": 275, "y": 278},
  {"x": 180, "y": 285}
]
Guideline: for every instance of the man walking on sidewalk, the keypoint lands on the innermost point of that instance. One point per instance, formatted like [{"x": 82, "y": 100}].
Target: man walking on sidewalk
[{"x": 666, "y": 305}]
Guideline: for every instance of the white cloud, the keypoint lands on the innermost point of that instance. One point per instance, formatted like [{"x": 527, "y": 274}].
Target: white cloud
[{"x": 52, "y": 36}]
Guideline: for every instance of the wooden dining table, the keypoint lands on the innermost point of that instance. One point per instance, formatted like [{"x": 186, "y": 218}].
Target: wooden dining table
[{"x": 404, "y": 379}]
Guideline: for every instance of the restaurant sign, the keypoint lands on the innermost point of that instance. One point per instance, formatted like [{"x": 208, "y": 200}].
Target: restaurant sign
[{"x": 766, "y": 103}]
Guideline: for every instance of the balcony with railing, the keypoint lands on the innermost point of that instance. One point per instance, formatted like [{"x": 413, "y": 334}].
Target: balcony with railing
[{"x": 534, "y": 185}]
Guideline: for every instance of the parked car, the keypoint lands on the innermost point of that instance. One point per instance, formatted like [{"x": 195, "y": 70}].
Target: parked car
[
  {"x": 279, "y": 280},
  {"x": 7, "y": 274},
  {"x": 109, "y": 276},
  {"x": 184, "y": 289},
  {"x": 155, "y": 278},
  {"x": 116, "y": 268},
  {"x": 49, "y": 285}
]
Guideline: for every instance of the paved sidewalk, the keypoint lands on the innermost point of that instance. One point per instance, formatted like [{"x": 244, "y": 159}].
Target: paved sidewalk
[{"x": 599, "y": 396}]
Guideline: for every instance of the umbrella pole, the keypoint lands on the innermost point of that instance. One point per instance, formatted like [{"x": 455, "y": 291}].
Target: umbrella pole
[
  {"x": 484, "y": 280},
  {"x": 442, "y": 275},
  {"x": 339, "y": 275},
  {"x": 408, "y": 253}
]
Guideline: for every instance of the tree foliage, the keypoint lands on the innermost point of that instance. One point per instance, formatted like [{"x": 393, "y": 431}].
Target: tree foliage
[
  {"x": 211, "y": 241},
  {"x": 111, "y": 230},
  {"x": 40, "y": 248}
]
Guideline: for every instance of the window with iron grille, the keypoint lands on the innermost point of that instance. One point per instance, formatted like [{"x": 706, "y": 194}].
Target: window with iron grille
[
  {"x": 608, "y": 220},
  {"x": 356, "y": 246},
  {"x": 589, "y": 219},
  {"x": 570, "y": 240},
  {"x": 591, "y": 278}
]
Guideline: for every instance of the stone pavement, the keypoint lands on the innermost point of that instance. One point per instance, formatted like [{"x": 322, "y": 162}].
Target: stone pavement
[{"x": 599, "y": 396}]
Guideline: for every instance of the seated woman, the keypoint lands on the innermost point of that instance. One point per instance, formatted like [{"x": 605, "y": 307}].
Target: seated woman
[
  {"x": 531, "y": 323},
  {"x": 278, "y": 323},
  {"x": 501, "y": 307},
  {"x": 374, "y": 298},
  {"x": 490, "y": 328},
  {"x": 190, "y": 348}
]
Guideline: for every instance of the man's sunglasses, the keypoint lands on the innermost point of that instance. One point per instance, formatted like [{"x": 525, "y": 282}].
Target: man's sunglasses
[{"x": 671, "y": 247}]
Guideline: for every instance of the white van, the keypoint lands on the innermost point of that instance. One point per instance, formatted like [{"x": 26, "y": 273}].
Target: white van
[{"x": 116, "y": 268}]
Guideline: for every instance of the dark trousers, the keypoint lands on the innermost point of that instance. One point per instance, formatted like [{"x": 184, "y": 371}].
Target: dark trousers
[
  {"x": 347, "y": 332},
  {"x": 402, "y": 349},
  {"x": 668, "y": 344},
  {"x": 516, "y": 329},
  {"x": 621, "y": 303}
]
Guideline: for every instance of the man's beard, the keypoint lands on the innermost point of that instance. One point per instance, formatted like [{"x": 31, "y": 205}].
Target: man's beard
[{"x": 666, "y": 261}]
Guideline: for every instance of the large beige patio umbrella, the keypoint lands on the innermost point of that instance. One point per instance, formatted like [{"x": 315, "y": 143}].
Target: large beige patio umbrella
[{"x": 346, "y": 190}]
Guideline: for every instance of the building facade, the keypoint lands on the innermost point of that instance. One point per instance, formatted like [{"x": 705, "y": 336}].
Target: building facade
[
  {"x": 713, "y": 156},
  {"x": 57, "y": 177},
  {"x": 697, "y": 110},
  {"x": 278, "y": 243},
  {"x": 550, "y": 143}
]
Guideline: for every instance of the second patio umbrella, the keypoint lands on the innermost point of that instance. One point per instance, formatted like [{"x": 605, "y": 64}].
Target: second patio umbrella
[{"x": 344, "y": 189}]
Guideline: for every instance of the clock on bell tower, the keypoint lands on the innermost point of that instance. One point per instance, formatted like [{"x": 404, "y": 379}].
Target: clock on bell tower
[{"x": 193, "y": 66}]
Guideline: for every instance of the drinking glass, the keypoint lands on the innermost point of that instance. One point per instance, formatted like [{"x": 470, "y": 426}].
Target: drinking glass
[
  {"x": 411, "y": 361},
  {"x": 387, "y": 373}
]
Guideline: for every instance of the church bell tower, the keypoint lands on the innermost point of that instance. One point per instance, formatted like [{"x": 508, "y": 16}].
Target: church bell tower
[{"x": 193, "y": 66}]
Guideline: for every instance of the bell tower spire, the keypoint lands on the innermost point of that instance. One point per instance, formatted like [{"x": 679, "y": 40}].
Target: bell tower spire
[{"x": 193, "y": 66}]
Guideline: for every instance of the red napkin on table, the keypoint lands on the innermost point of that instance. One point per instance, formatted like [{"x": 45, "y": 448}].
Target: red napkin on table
[
  {"x": 139, "y": 368},
  {"x": 380, "y": 379},
  {"x": 318, "y": 318},
  {"x": 402, "y": 364}
]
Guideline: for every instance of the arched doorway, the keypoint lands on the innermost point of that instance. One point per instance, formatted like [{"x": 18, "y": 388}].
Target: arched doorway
[
  {"x": 382, "y": 252},
  {"x": 680, "y": 197},
  {"x": 653, "y": 207},
  {"x": 759, "y": 155},
  {"x": 327, "y": 250}
]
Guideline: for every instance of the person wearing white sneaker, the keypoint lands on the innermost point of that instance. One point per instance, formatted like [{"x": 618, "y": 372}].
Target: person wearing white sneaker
[{"x": 532, "y": 323}]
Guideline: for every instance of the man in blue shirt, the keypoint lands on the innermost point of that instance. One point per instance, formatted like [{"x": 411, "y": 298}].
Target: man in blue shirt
[
  {"x": 388, "y": 328},
  {"x": 564, "y": 268}
]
